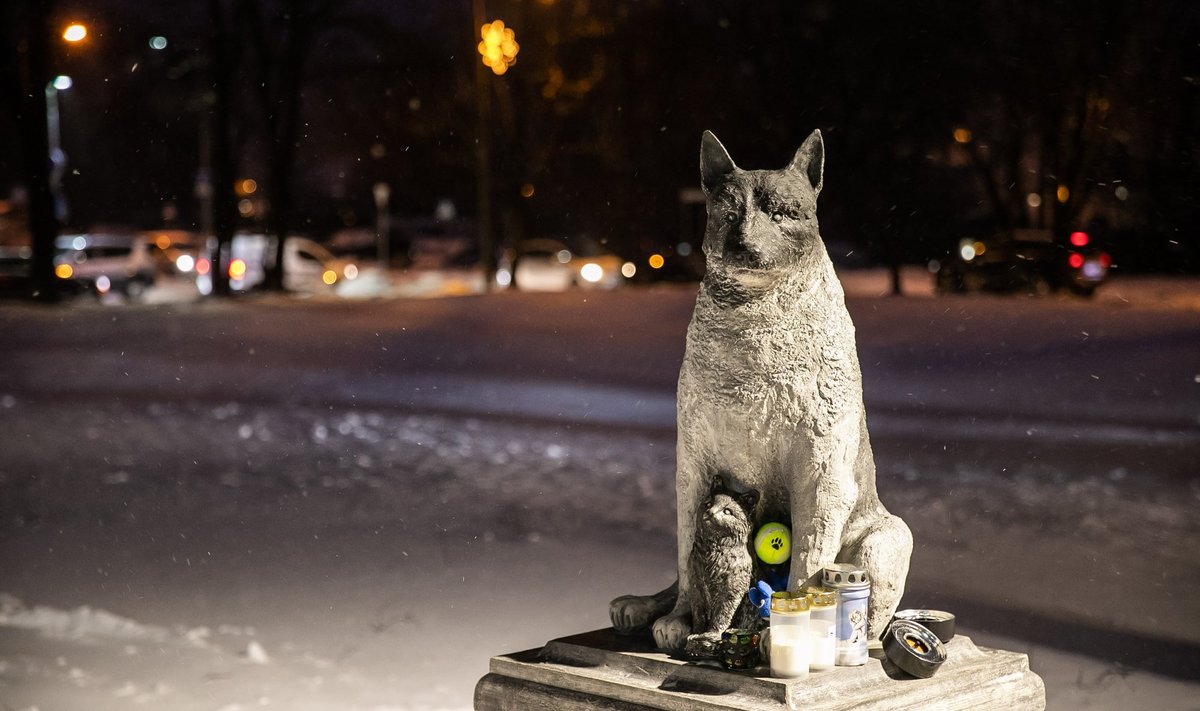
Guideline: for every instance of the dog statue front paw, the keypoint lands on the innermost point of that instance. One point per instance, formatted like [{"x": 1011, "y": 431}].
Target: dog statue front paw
[{"x": 633, "y": 614}]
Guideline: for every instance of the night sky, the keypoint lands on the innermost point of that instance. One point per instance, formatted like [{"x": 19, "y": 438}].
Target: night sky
[{"x": 595, "y": 130}]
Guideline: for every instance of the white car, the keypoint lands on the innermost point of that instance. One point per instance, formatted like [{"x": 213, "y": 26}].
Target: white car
[
  {"x": 307, "y": 266},
  {"x": 549, "y": 265},
  {"x": 106, "y": 262}
]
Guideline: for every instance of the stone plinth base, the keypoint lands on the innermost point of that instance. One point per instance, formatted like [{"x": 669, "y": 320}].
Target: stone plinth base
[{"x": 601, "y": 670}]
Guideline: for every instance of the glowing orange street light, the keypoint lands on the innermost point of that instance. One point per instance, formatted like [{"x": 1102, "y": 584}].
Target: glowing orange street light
[
  {"x": 75, "y": 32},
  {"x": 499, "y": 47}
]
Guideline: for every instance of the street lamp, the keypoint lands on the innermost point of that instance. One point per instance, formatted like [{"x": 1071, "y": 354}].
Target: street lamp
[
  {"x": 75, "y": 32},
  {"x": 381, "y": 192},
  {"x": 58, "y": 157},
  {"x": 499, "y": 47}
]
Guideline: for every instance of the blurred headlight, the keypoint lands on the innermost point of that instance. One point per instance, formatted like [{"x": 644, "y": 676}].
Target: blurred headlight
[
  {"x": 329, "y": 276},
  {"x": 185, "y": 263},
  {"x": 350, "y": 272},
  {"x": 592, "y": 272},
  {"x": 64, "y": 271}
]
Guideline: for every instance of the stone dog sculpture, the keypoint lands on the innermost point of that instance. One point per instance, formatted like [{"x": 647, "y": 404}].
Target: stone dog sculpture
[{"x": 770, "y": 393}]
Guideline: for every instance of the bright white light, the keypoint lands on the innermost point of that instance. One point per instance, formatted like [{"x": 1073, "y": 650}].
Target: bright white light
[
  {"x": 158, "y": 42},
  {"x": 75, "y": 32},
  {"x": 351, "y": 271},
  {"x": 967, "y": 251},
  {"x": 503, "y": 277},
  {"x": 185, "y": 263},
  {"x": 79, "y": 242},
  {"x": 628, "y": 269},
  {"x": 592, "y": 272},
  {"x": 103, "y": 284},
  {"x": 62, "y": 82},
  {"x": 564, "y": 256}
]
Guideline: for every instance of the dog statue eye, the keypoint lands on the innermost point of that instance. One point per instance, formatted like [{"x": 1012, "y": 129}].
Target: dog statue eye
[{"x": 727, "y": 512}]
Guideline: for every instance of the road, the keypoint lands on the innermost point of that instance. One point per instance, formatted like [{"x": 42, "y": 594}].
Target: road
[{"x": 285, "y": 493}]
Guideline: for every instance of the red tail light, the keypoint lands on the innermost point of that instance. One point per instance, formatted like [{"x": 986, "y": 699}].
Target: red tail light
[
  {"x": 1075, "y": 260},
  {"x": 202, "y": 266},
  {"x": 1079, "y": 239},
  {"x": 1105, "y": 260}
]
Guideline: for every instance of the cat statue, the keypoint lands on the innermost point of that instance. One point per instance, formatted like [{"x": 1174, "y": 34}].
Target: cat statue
[
  {"x": 722, "y": 567},
  {"x": 770, "y": 391}
]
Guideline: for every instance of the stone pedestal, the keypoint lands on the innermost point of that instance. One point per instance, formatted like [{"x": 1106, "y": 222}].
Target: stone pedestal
[{"x": 601, "y": 670}]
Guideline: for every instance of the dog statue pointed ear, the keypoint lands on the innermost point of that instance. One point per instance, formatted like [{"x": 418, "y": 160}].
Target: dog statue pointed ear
[
  {"x": 717, "y": 486},
  {"x": 810, "y": 160},
  {"x": 715, "y": 163},
  {"x": 748, "y": 499}
]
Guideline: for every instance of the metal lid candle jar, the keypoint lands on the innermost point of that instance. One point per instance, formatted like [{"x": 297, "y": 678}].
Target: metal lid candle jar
[{"x": 853, "y": 591}]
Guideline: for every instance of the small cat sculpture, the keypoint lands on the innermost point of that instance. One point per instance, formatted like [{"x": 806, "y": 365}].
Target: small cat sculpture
[{"x": 721, "y": 566}]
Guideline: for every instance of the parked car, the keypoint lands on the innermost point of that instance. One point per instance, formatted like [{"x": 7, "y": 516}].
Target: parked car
[
  {"x": 106, "y": 262},
  {"x": 307, "y": 267},
  {"x": 1030, "y": 261},
  {"x": 549, "y": 265},
  {"x": 179, "y": 252}
]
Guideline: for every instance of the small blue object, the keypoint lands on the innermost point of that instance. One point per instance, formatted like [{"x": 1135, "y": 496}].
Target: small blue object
[
  {"x": 760, "y": 594},
  {"x": 760, "y": 597}
]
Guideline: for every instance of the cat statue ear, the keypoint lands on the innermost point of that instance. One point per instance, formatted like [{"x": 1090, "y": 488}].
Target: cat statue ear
[
  {"x": 810, "y": 160},
  {"x": 748, "y": 499},
  {"x": 717, "y": 485},
  {"x": 715, "y": 163}
]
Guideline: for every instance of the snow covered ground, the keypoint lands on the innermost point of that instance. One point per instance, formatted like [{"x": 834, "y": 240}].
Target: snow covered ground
[{"x": 298, "y": 506}]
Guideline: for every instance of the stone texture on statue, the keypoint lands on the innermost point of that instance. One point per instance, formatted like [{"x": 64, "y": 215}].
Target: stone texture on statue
[
  {"x": 770, "y": 393},
  {"x": 601, "y": 670}
]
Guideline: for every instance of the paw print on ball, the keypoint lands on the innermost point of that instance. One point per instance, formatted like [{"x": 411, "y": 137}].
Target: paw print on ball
[{"x": 773, "y": 543}]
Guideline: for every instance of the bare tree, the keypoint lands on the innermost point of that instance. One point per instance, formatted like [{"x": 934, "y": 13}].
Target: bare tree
[
  {"x": 282, "y": 43},
  {"x": 27, "y": 27},
  {"x": 223, "y": 47}
]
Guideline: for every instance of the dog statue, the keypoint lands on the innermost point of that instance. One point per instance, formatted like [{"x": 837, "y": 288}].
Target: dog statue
[{"x": 770, "y": 393}]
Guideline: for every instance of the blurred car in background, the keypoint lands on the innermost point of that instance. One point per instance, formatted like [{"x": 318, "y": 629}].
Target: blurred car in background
[
  {"x": 307, "y": 268},
  {"x": 549, "y": 265},
  {"x": 106, "y": 262},
  {"x": 179, "y": 252},
  {"x": 1028, "y": 261}
]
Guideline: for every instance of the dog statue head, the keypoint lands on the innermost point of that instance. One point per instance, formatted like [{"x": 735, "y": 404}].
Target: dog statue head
[{"x": 762, "y": 224}]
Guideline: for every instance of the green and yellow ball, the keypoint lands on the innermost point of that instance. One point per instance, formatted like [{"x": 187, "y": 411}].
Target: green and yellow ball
[{"x": 773, "y": 543}]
